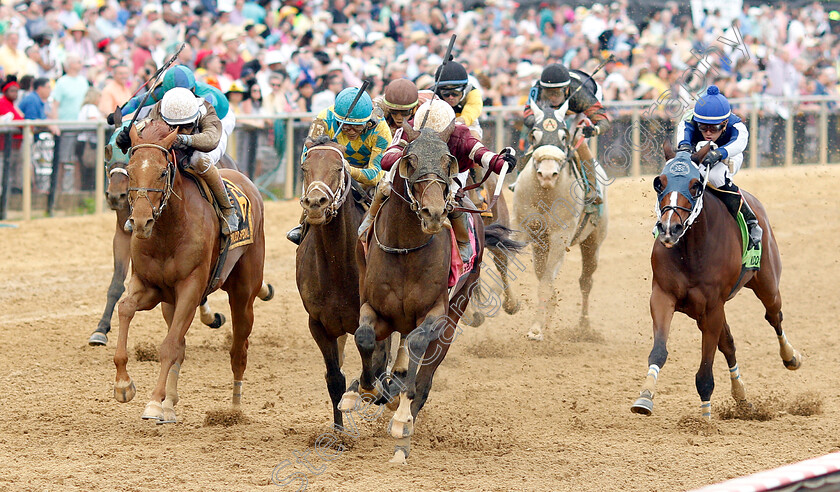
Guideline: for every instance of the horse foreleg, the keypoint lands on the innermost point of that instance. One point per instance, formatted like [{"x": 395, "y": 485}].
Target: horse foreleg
[
  {"x": 662, "y": 311},
  {"x": 139, "y": 298},
  {"x": 711, "y": 325},
  {"x": 122, "y": 257},
  {"x": 589, "y": 256},
  {"x": 336, "y": 384},
  {"x": 546, "y": 264},
  {"x": 726, "y": 345},
  {"x": 511, "y": 305},
  {"x": 365, "y": 337}
]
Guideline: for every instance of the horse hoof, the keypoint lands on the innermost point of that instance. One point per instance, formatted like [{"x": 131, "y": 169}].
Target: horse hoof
[
  {"x": 98, "y": 339},
  {"x": 153, "y": 411},
  {"x": 349, "y": 401},
  {"x": 168, "y": 416},
  {"x": 537, "y": 337},
  {"x": 476, "y": 320},
  {"x": 218, "y": 321},
  {"x": 399, "y": 457},
  {"x": 795, "y": 362},
  {"x": 400, "y": 430},
  {"x": 511, "y": 307},
  {"x": 270, "y": 294},
  {"x": 124, "y": 391},
  {"x": 643, "y": 406},
  {"x": 393, "y": 403}
]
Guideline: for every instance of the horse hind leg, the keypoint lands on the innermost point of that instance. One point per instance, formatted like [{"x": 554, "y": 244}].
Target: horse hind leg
[
  {"x": 209, "y": 318},
  {"x": 768, "y": 293},
  {"x": 266, "y": 292},
  {"x": 242, "y": 312},
  {"x": 511, "y": 305},
  {"x": 121, "y": 261}
]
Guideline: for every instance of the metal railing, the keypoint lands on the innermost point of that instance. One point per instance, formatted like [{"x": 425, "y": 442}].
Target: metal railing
[{"x": 809, "y": 134}]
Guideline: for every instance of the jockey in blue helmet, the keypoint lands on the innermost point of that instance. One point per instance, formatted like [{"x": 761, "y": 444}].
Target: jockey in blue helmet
[
  {"x": 713, "y": 121},
  {"x": 363, "y": 136}
]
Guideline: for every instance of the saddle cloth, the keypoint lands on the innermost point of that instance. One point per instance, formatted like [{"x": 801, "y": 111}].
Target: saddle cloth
[
  {"x": 750, "y": 259},
  {"x": 240, "y": 202}
]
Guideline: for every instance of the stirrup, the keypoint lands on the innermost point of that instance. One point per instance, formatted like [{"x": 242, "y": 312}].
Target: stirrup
[
  {"x": 295, "y": 235},
  {"x": 230, "y": 222}
]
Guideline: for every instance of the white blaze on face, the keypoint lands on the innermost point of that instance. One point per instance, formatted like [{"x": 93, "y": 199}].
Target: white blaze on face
[{"x": 667, "y": 221}]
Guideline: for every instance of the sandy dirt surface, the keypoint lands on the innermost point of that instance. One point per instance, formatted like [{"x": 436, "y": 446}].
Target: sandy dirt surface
[{"x": 504, "y": 413}]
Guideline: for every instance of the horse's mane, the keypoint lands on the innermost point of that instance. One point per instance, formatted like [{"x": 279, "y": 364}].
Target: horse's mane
[
  {"x": 322, "y": 140},
  {"x": 155, "y": 131}
]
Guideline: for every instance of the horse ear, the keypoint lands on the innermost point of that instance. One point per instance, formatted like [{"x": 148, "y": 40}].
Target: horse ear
[
  {"x": 308, "y": 143},
  {"x": 447, "y": 132},
  {"x": 659, "y": 183},
  {"x": 668, "y": 149},
  {"x": 696, "y": 188},
  {"x": 132, "y": 133},
  {"x": 409, "y": 133},
  {"x": 405, "y": 166},
  {"x": 698, "y": 156},
  {"x": 168, "y": 140}
]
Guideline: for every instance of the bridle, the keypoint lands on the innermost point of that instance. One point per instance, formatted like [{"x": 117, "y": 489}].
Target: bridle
[
  {"x": 144, "y": 192},
  {"x": 416, "y": 177},
  {"x": 693, "y": 212},
  {"x": 337, "y": 197}
]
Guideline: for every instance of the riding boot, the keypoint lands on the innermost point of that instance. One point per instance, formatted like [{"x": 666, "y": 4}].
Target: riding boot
[
  {"x": 296, "y": 234},
  {"x": 732, "y": 198},
  {"x": 217, "y": 187},
  {"x": 378, "y": 200},
  {"x": 587, "y": 168}
]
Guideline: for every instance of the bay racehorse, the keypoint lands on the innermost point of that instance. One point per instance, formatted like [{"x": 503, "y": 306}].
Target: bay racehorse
[
  {"x": 549, "y": 209},
  {"x": 697, "y": 267},
  {"x": 117, "y": 197},
  {"x": 175, "y": 246},
  {"x": 325, "y": 264},
  {"x": 404, "y": 278}
]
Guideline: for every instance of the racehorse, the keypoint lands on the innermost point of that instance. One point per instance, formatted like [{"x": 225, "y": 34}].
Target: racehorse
[
  {"x": 403, "y": 282},
  {"x": 549, "y": 208},
  {"x": 117, "y": 197},
  {"x": 325, "y": 264},
  {"x": 175, "y": 245},
  {"x": 499, "y": 214},
  {"x": 697, "y": 267}
]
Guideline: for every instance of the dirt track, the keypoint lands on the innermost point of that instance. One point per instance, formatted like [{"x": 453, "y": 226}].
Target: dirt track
[{"x": 504, "y": 414}]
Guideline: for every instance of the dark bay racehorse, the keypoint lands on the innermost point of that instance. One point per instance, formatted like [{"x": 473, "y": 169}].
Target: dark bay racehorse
[
  {"x": 697, "y": 268},
  {"x": 326, "y": 271},
  {"x": 174, "y": 248},
  {"x": 117, "y": 196},
  {"x": 404, "y": 278}
]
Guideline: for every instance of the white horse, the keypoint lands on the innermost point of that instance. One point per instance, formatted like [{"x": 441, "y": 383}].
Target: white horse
[{"x": 549, "y": 210}]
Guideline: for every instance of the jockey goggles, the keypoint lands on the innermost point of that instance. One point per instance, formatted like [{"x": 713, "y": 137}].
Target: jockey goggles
[
  {"x": 452, "y": 92},
  {"x": 705, "y": 127}
]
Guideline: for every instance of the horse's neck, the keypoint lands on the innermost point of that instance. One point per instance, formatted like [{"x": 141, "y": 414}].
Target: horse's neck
[
  {"x": 400, "y": 226},
  {"x": 175, "y": 218},
  {"x": 702, "y": 235},
  {"x": 338, "y": 236}
]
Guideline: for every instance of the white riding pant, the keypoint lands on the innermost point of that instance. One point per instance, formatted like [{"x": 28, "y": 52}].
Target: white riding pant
[
  {"x": 200, "y": 158},
  {"x": 723, "y": 171},
  {"x": 460, "y": 180}
]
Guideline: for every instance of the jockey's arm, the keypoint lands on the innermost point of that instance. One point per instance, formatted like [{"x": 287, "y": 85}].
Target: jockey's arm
[
  {"x": 208, "y": 132},
  {"x": 377, "y": 142},
  {"x": 738, "y": 143},
  {"x": 472, "y": 108},
  {"x": 585, "y": 102},
  {"x": 686, "y": 135},
  {"x": 470, "y": 152},
  {"x": 134, "y": 103}
]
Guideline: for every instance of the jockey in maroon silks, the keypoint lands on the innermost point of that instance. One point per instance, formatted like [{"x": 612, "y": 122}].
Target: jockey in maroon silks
[{"x": 468, "y": 151}]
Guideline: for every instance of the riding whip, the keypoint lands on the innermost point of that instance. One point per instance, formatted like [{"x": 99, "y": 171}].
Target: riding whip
[
  {"x": 598, "y": 69},
  {"x": 154, "y": 76},
  {"x": 439, "y": 74},
  {"x": 362, "y": 90}
]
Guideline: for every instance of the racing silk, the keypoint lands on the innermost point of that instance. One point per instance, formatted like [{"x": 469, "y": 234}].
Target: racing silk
[
  {"x": 586, "y": 101},
  {"x": 467, "y": 149},
  {"x": 365, "y": 153},
  {"x": 207, "y": 92},
  {"x": 469, "y": 107},
  {"x": 731, "y": 142}
]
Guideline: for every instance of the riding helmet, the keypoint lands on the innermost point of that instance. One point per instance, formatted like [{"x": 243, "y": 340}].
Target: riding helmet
[
  {"x": 453, "y": 75},
  {"x": 179, "y": 107},
  {"x": 179, "y": 76},
  {"x": 555, "y": 75},
  {"x": 712, "y": 108},
  {"x": 441, "y": 115},
  {"x": 401, "y": 94},
  {"x": 361, "y": 111}
]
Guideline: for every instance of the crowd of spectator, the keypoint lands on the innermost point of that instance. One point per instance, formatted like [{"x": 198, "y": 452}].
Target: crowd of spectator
[{"x": 277, "y": 56}]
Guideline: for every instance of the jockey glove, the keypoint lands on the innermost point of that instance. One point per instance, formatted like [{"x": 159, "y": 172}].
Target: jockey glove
[
  {"x": 184, "y": 141},
  {"x": 712, "y": 158},
  {"x": 684, "y": 147},
  {"x": 112, "y": 118},
  {"x": 590, "y": 131},
  {"x": 123, "y": 141}
]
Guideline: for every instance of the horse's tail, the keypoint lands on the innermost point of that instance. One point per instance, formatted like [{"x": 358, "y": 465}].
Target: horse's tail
[{"x": 497, "y": 236}]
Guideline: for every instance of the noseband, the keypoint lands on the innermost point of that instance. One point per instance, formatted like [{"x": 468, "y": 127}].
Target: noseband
[
  {"x": 337, "y": 197},
  {"x": 693, "y": 212},
  {"x": 144, "y": 192}
]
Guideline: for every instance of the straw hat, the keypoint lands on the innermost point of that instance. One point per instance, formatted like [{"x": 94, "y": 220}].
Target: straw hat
[{"x": 79, "y": 26}]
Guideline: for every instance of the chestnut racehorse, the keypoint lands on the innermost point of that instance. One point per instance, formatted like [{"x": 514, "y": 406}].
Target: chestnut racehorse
[
  {"x": 117, "y": 196},
  {"x": 404, "y": 279},
  {"x": 326, "y": 271},
  {"x": 697, "y": 267},
  {"x": 174, "y": 248}
]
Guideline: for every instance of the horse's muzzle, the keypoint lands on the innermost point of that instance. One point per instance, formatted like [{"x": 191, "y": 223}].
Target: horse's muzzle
[
  {"x": 431, "y": 221},
  {"x": 117, "y": 202},
  {"x": 669, "y": 236},
  {"x": 144, "y": 231},
  {"x": 315, "y": 208}
]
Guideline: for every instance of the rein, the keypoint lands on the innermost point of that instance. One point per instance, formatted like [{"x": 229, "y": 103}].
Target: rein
[
  {"x": 144, "y": 192},
  {"x": 693, "y": 213},
  {"x": 336, "y": 198},
  {"x": 415, "y": 207}
]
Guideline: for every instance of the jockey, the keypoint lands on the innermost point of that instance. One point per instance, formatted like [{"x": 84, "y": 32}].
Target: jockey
[
  {"x": 182, "y": 76},
  {"x": 713, "y": 121},
  {"x": 363, "y": 137},
  {"x": 553, "y": 89},
  {"x": 199, "y": 128},
  {"x": 454, "y": 87},
  {"x": 468, "y": 151},
  {"x": 399, "y": 103}
]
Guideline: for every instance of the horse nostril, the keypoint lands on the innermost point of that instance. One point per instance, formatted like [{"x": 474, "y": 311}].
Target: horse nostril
[
  {"x": 424, "y": 213},
  {"x": 660, "y": 227},
  {"x": 149, "y": 224},
  {"x": 554, "y": 174},
  {"x": 677, "y": 228},
  {"x": 322, "y": 201}
]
